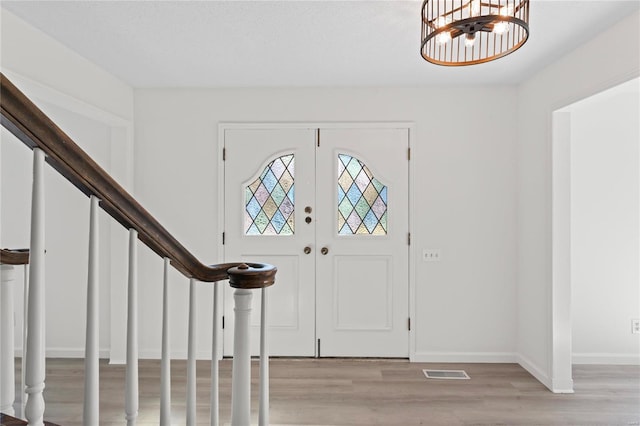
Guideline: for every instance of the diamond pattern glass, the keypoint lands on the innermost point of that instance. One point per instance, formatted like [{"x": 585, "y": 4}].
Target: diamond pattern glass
[
  {"x": 269, "y": 200},
  {"x": 362, "y": 199}
]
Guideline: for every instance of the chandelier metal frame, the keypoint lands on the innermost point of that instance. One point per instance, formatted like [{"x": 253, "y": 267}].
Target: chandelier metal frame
[{"x": 491, "y": 29}]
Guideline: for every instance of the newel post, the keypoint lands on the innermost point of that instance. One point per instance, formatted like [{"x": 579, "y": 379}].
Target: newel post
[
  {"x": 241, "y": 370},
  {"x": 244, "y": 278}
]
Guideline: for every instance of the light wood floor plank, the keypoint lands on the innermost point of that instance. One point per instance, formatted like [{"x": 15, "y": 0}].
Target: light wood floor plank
[{"x": 351, "y": 392}]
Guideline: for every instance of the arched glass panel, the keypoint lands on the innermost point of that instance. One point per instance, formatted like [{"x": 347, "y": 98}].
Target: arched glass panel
[
  {"x": 269, "y": 200},
  {"x": 362, "y": 199}
]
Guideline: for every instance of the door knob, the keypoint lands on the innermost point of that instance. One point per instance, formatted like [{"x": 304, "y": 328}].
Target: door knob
[
  {"x": 307, "y": 209},
  {"x": 307, "y": 219},
  {"x": 324, "y": 250},
  {"x": 307, "y": 250}
]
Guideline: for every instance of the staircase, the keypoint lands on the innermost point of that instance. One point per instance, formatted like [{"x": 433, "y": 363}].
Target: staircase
[{"x": 51, "y": 145}]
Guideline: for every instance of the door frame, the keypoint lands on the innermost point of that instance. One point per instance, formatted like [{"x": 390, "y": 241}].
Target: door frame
[{"x": 252, "y": 125}]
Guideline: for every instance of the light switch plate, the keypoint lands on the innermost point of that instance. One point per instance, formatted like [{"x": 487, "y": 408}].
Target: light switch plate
[{"x": 431, "y": 255}]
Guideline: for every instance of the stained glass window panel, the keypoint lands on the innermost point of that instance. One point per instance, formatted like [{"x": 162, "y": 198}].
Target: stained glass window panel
[
  {"x": 269, "y": 200},
  {"x": 362, "y": 199}
]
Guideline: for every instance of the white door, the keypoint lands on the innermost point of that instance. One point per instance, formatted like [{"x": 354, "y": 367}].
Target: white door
[
  {"x": 362, "y": 283},
  {"x": 329, "y": 208},
  {"x": 269, "y": 175}
]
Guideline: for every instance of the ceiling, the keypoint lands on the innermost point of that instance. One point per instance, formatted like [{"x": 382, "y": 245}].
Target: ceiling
[{"x": 294, "y": 43}]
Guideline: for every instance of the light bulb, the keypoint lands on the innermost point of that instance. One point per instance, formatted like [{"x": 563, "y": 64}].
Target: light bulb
[
  {"x": 443, "y": 37},
  {"x": 500, "y": 27},
  {"x": 470, "y": 39}
]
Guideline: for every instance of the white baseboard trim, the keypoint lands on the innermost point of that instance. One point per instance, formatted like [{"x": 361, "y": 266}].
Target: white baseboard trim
[
  {"x": 105, "y": 354},
  {"x": 606, "y": 358},
  {"x": 535, "y": 371},
  {"x": 155, "y": 354},
  {"x": 465, "y": 357},
  {"x": 562, "y": 386},
  {"x": 66, "y": 353}
]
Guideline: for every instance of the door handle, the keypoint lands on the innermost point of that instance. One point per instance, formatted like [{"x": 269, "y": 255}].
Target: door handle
[
  {"x": 307, "y": 250},
  {"x": 324, "y": 251}
]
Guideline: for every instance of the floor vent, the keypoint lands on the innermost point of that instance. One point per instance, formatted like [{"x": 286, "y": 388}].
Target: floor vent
[{"x": 446, "y": 374}]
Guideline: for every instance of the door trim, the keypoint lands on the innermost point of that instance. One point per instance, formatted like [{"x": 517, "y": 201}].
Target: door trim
[{"x": 413, "y": 253}]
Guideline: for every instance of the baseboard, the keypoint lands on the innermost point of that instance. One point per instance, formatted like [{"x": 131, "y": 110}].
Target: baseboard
[
  {"x": 535, "y": 371},
  {"x": 66, "y": 353},
  {"x": 154, "y": 354},
  {"x": 562, "y": 386},
  {"x": 606, "y": 358},
  {"x": 105, "y": 353},
  {"x": 465, "y": 357}
]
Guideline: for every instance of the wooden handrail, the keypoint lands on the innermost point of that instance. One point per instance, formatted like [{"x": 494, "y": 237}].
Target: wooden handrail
[
  {"x": 14, "y": 256},
  {"x": 29, "y": 124}
]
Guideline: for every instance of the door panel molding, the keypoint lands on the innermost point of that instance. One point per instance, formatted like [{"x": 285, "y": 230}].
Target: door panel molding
[{"x": 364, "y": 289}]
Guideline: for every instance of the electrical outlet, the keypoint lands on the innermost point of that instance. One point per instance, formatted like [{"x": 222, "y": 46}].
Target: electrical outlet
[
  {"x": 431, "y": 255},
  {"x": 635, "y": 326}
]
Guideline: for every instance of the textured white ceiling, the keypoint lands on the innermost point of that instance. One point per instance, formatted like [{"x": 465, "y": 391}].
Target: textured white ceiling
[{"x": 294, "y": 43}]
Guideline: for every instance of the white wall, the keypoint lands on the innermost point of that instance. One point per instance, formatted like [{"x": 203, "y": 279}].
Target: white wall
[
  {"x": 605, "y": 226},
  {"x": 464, "y": 169},
  {"x": 36, "y": 56},
  {"x": 66, "y": 234},
  {"x": 609, "y": 59},
  {"x": 95, "y": 109}
]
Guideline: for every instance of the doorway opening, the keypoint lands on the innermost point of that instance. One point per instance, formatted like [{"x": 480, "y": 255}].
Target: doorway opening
[{"x": 596, "y": 232}]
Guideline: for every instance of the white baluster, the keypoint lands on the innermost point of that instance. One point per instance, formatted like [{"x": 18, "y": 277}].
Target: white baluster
[
  {"x": 91, "y": 409},
  {"x": 23, "y": 361},
  {"x": 7, "y": 350},
  {"x": 263, "y": 416},
  {"x": 165, "y": 363},
  {"x": 131, "y": 375},
  {"x": 215, "y": 376},
  {"x": 35, "y": 369},
  {"x": 191, "y": 356},
  {"x": 241, "y": 370}
]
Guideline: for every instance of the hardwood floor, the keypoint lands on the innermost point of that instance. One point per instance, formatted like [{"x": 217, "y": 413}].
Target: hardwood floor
[{"x": 364, "y": 392}]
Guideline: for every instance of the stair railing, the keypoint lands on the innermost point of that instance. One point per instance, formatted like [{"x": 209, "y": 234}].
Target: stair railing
[{"x": 51, "y": 145}]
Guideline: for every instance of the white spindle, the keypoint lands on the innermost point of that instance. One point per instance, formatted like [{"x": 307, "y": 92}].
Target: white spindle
[
  {"x": 241, "y": 370},
  {"x": 263, "y": 415},
  {"x": 215, "y": 377},
  {"x": 35, "y": 369},
  {"x": 23, "y": 361},
  {"x": 165, "y": 366},
  {"x": 131, "y": 375},
  {"x": 191, "y": 356},
  {"x": 7, "y": 350},
  {"x": 91, "y": 409}
]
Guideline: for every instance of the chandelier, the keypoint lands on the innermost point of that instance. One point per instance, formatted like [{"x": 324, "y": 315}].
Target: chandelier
[{"x": 468, "y": 32}]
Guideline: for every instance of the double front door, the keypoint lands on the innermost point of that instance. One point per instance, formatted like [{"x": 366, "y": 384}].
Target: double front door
[{"x": 329, "y": 208}]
